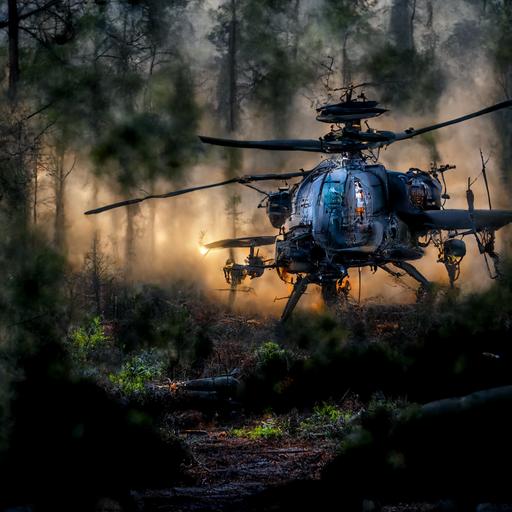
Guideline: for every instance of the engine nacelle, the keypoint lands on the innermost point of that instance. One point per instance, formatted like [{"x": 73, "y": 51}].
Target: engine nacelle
[{"x": 424, "y": 190}]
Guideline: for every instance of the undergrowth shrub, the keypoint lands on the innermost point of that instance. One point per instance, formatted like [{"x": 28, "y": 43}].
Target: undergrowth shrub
[
  {"x": 326, "y": 420},
  {"x": 271, "y": 359},
  {"x": 149, "y": 318},
  {"x": 85, "y": 340},
  {"x": 137, "y": 371},
  {"x": 268, "y": 379},
  {"x": 268, "y": 429},
  {"x": 71, "y": 443}
]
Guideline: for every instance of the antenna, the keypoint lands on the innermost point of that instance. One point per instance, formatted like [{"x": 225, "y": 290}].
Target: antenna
[{"x": 484, "y": 174}]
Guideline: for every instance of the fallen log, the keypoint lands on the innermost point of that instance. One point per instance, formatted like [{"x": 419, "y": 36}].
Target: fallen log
[{"x": 501, "y": 396}]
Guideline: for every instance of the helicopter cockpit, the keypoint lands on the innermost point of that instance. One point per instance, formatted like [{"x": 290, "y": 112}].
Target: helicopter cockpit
[
  {"x": 330, "y": 215},
  {"x": 351, "y": 209}
]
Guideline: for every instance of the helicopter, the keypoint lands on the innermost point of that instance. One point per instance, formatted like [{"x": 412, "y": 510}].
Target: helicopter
[{"x": 349, "y": 211}]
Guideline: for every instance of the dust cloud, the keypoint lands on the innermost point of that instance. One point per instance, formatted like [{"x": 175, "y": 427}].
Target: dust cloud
[{"x": 182, "y": 223}]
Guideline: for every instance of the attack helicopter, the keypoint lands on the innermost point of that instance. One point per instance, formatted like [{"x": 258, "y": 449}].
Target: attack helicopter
[{"x": 350, "y": 211}]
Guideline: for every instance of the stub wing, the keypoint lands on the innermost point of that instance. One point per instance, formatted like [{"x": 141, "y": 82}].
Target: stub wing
[{"x": 464, "y": 219}]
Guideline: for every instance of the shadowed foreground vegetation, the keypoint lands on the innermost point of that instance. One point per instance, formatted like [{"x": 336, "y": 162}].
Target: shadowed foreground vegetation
[
  {"x": 446, "y": 346},
  {"x": 94, "y": 395},
  {"x": 103, "y": 100}
]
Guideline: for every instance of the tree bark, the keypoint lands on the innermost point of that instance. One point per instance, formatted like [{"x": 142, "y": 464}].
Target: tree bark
[
  {"x": 60, "y": 194},
  {"x": 232, "y": 124},
  {"x": 232, "y": 63},
  {"x": 152, "y": 224},
  {"x": 96, "y": 271},
  {"x": 35, "y": 191},
  {"x": 402, "y": 23},
  {"x": 346, "y": 74},
  {"x": 13, "y": 26},
  {"x": 411, "y": 22},
  {"x": 13, "y": 35},
  {"x": 129, "y": 255}
]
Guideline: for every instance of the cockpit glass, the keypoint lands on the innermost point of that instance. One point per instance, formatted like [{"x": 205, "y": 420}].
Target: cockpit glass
[{"x": 333, "y": 192}]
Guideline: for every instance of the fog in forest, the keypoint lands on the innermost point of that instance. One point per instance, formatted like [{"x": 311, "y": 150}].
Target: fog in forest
[
  {"x": 128, "y": 379},
  {"x": 453, "y": 76}
]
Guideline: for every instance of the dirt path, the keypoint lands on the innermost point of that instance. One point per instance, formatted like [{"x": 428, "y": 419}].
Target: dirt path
[{"x": 227, "y": 471}]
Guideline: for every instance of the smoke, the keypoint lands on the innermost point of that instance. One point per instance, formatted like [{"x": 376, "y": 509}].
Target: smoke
[{"x": 182, "y": 223}]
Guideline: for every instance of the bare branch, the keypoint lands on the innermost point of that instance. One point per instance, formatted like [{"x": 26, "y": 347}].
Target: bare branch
[
  {"x": 5, "y": 23},
  {"x": 71, "y": 168}
]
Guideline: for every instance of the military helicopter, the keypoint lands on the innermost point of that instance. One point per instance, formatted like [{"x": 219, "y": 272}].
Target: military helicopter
[{"x": 350, "y": 211}]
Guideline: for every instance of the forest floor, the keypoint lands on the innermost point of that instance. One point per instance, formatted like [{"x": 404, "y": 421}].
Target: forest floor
[
  {"x": 266, "y": 409},
  {"x": 226, "y": 471}
]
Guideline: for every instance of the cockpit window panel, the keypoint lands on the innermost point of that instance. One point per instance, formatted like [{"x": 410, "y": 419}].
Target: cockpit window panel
[{"x": 333, "y": 194}]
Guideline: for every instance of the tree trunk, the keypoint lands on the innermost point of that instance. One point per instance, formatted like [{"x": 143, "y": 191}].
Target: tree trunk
[
  {"x": 35, "y": 191},
  {"x": 429, "y": 25},
  {"x": 16, "y": 182},
  {"x": 60, "y": 197},
  {"x": 96, "y": 271},
  {"x": 114, "y": 238},
  {"x": 232, "y": 122},
  {"x": 232, "y": 65},
  {"x": 296, "y": 29},
  {"x": 411, "y": 22},
  {"x": 13, "y": 35},
  {"x": 152, "y": 224},
  {"x": 503, "y": 73},
  {"x": 402, "y": 23},
  {"x": 346, "y": 73},
  {"x": 129, "y": 255}
]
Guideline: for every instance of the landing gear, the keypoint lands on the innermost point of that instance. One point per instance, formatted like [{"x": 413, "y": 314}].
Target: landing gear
[
  {"x": 335, "y": 293},
  {"x": 330, "y": 293},
  {"x": 413, "y": 272},
  {"x": 235, "y": 273},
  {"x": 299, "y": 288},
  {"x": 425, "y": 284}
]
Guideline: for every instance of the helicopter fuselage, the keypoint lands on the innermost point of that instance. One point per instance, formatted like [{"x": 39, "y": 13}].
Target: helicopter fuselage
[{"x": 347, "y": 213}]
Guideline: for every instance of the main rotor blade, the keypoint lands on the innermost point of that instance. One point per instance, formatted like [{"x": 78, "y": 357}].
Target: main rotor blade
[
  {"x": 240, "y": 179},
  {"x": 314, "y": 145},
  {"x": 248, "y": 241},
  {"x": 407, "y": 134},
  {"x": 351, "y": 141},
  {"x": 136, "y": 200}
]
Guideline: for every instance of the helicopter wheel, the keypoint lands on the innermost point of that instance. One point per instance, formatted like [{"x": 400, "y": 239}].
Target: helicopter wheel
[
  {"x": 232, "y": 294},
  {"x": 335, "y": 297}
]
